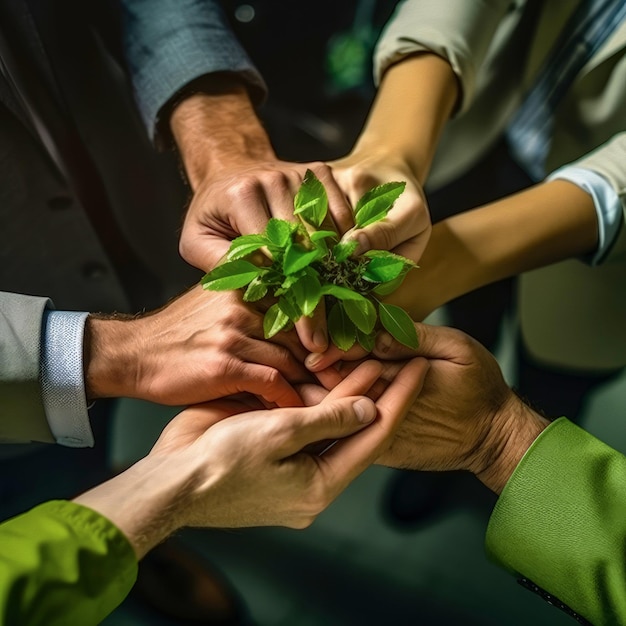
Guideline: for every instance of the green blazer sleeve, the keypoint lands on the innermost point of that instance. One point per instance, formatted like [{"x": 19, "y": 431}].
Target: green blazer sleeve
[
  {"x": 62, "y": 563},
  {"x": 22, "y": 414},
  {"x": 561, "y": 522}
]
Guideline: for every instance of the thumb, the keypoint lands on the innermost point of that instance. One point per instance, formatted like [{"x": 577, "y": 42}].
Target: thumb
[
  {"x": 329, "y": 420},
  {"x": 435, "y": 342}
]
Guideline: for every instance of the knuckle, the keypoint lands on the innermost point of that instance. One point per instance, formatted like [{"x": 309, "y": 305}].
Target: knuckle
[{"x": 242, "y": 189}]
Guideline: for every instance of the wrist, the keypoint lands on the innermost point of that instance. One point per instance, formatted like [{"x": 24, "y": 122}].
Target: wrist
[
  {"x": 216, "y": 128},
  {"x": 110, "y": 357},
  {"x": 513, "y": 430},
  {"x": 146, "y": 502},
  {"x": 415, "y": 100}
]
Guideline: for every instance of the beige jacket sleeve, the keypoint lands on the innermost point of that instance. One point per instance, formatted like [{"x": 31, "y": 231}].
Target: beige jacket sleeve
[{"x": 460, "y": 31}]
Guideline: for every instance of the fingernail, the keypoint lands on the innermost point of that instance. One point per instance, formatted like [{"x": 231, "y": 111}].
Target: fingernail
[
  {"x": 312, "y": 360},
  {"x": 383, "y": 342},
  {"x": 365, "y": 410},
  {"x": 320, "y": 339}
]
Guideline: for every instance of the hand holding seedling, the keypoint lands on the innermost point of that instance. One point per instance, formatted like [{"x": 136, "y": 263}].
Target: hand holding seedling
[{"x": 306, "y": 267}]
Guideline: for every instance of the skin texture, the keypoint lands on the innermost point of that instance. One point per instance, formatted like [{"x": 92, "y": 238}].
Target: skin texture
[
  {"x": 238, "y": 183},
  {"x": 419, "y": 94},
  {"x": 465, "y": 418},
  {"x": 201, "y": 346},
  {"x": 229, "y": 463}
]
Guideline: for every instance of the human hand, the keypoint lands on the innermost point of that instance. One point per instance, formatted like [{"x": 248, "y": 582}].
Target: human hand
[
  {"x": 406, "y": 229},
  {"x": 239, "y": 183},
  {"x": 466, "y": 417},
  {"x": 201, "y": 346},
  {"x": 252, "y": 468}
]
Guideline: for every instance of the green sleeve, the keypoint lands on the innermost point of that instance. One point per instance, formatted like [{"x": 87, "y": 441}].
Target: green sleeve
[
  {"x": 561, "y": 522},
  {"x": 62, "y": 563}
]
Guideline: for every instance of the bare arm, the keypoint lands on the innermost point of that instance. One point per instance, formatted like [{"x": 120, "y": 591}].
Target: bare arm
[
  {"x": 397, "y": 143},
  {"x": 542, "y": 225}
]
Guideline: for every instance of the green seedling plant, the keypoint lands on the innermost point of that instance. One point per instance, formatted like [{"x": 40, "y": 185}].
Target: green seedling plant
[{"x": 300, "y": 263}]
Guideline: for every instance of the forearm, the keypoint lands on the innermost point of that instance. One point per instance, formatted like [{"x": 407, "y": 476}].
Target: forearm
[
  {"x": 534, "y": 228},
  {"x": 413, "y": 104},
  {"x": 145, "y": 502},
  {"x": 217, "y": 127},
  {"x": 512, "y": 432}
]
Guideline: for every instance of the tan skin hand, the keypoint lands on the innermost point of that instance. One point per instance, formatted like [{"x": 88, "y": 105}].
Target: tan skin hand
[
  {"x": 239, "y": 183},
  {"x": 465, "y": 418},
  {"x": 407, "y": 227},
  {"x": 414, "y": 101},
  {"x": 202, "y": 345}
]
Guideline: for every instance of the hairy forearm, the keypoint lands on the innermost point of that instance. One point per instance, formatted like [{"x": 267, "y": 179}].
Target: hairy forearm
[
  {"x": 412, "y": 105},
  {"x": 217, "y": 127},
  {"x": 144, "y": 502},
  {"x": 545, "y": 224},
  {"x": 111, "y": 349}
]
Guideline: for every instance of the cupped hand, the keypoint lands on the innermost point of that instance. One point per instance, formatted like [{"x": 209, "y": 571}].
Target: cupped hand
[
  {"x": 466, "y": 417},
  {"x": 240, "y": 201},
  {"x": 407, "y": 227},
  {"x": 254, "y": 469}
]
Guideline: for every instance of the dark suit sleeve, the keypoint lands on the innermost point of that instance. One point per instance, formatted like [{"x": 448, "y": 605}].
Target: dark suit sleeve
[
  {"x": 170, "y": 43},
  {"x": 560, "y": 524},
  {"x": 22, "y": 414}
]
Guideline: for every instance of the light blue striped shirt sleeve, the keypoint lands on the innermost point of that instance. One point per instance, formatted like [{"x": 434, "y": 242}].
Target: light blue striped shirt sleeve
[
  {"x": 62, "y": 378},
  {"x": 606, "y": 202}
]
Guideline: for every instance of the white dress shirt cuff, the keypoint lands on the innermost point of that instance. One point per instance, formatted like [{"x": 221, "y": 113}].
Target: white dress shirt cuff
[
  {"x": 606, "y": 202},
  {"x": 62, "y": 378}
]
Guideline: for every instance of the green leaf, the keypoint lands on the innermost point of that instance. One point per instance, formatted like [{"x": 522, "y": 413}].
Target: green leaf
[
  {"x": 297, "y": 257},
  {"x": 289, "y": 307},
  {"x": 316, "y": 235},
  {"x": 397, "y": 321},
  {"x": 311, "y": 201},
  {"x": 382, "y": 269},
  {"x": 256, "y": 290},
  {"x": 279, "y": 232},
  {"x": 343, "y": 250},
  {"x": 342, "y": 331},
  {"x": 231, "y": 275},
  {"x": 341, "y": 293},
  {"x": 362, "y": 313},
  {"x": 274, "y": 321},
  {"x": 384, "y": 289},
  {"x": 376, "y": 203},
  {"x": 367, "y": 341},
  {"x": 244, "y": 245},
  {"x": 307, "y": 292}
]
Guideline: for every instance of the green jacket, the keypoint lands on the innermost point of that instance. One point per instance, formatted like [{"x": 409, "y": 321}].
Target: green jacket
[
  {"x": 560, "y": 524},
  {"x": 62, "y": 563}
]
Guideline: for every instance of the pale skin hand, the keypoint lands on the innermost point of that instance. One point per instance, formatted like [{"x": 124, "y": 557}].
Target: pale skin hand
[
  {"x": 201, "y": 346},
  {"x": 414, "y": 101},
  {"x": 465, "y": 418},
  {"x": 250, "y": 469},
  {"x": 239, "y": 183}
]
